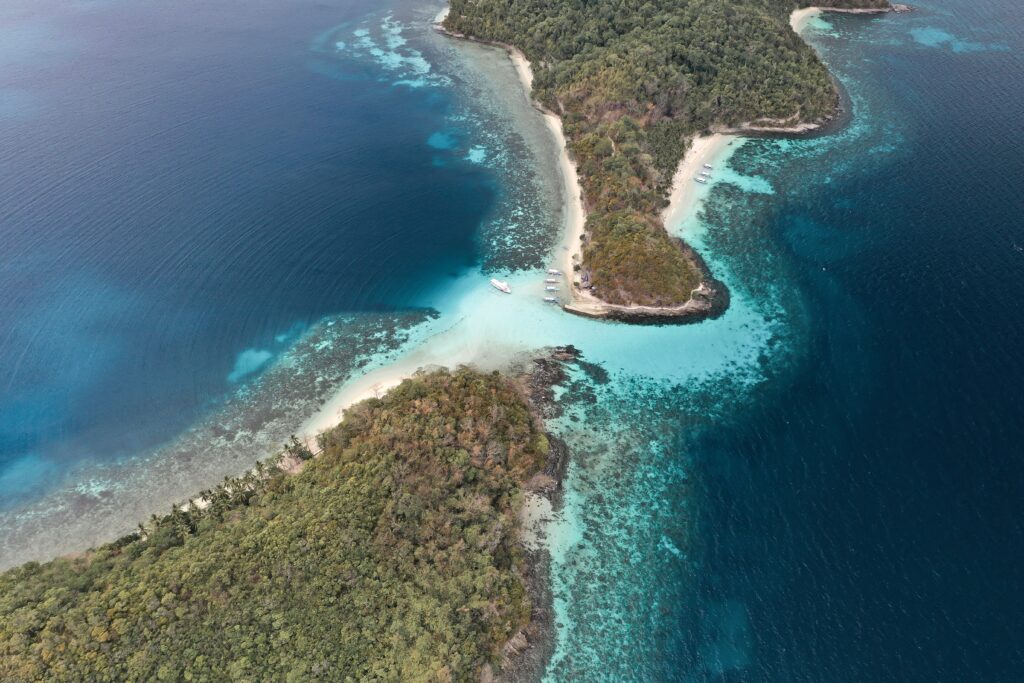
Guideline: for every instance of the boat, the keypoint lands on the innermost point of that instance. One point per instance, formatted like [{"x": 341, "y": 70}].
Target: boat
[
  {"x": 705, "y": 174},
  {"x": 501, "y": 286},
  {"x": 551, "y": 299},
  {"x": 552, "y": 271},
  {"x": 550, "y": 279},
  {"x": 708, "y": 166},
  {"x": 702, "y": 181},
  {"x": 551, "y": 289}
]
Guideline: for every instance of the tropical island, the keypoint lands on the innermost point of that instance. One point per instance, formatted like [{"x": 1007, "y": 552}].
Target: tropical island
[
  {"x": 633, "y": 83},
  {"x": 395, "y": 553},
  {"x": 392, "y": 555}
]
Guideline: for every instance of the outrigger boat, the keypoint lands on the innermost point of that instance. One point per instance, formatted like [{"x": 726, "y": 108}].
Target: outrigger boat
[
  {"x": 550, "y": 279},
  {"x": 501, "y": 286},
  {"x": 702, "y": 181},
  {"x": 551, "y": 299},
  {"x": 708, "y": 166},
  {"x": 552, "y": 271},
  {"x": 551, "y": 289}
]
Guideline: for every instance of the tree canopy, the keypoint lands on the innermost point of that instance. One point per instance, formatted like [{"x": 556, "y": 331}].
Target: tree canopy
[
  {"x": 389, "y": 557},
  {"x": 634, "y": 80}
]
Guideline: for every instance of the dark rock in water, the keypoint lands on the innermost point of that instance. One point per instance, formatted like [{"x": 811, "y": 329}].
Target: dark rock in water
[
  {"x": 548, "y": 371},
  {"x": 545, "y": 374},
  {"x": 558, "y": 461},
  {"x": 525, "y": 656},
  {"x": 565, "y": 353},
  {"x": 594, "y": 371}
]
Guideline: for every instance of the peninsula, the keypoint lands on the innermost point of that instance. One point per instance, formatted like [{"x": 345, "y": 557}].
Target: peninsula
[{"x": 633, "y": 83}]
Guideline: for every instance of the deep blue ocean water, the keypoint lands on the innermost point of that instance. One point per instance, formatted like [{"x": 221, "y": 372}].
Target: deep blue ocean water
[
  {"x": 203, "y": 210},
  {"x": 183, "y": 191},
  {"x": 861, "y": 518}
]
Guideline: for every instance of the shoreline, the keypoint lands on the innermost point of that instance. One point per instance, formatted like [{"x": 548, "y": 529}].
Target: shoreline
[
  {"x": 799, "y": 18},
  {"x": 709, "y": 300},
  {"x": 331, "y": 413},
  {"x": 703, "y": 150},
  {"x": 575, "y": 213}
]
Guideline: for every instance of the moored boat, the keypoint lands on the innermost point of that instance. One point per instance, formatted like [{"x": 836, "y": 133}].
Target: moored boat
[
  {"x": 501, "y": 286},
  {"x": 553, "y": 271},
  {"x": 702, "y": 181},
  {"x": 551, "y": 299}
]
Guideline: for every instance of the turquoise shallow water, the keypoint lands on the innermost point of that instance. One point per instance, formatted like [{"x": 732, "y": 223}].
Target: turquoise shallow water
[{"x": 820, "y": 485}]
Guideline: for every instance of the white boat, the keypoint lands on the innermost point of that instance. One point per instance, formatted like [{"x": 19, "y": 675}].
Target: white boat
[
  {"x": 705, "y": 174},
  {"x": 501, "y": 286},
  {"x": 552, "y": 271},
  {"x": 551, "y": 289},
  {"x": 701, "y": 181},
  {"x": 550, "y": 279},
  {"x": 551, "y": 299},
  {"x": 708, "y": 166}
]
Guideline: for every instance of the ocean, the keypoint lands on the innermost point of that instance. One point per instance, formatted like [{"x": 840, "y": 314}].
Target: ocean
[
  {"x": 858, "y": 520},
  {"x": 214, "y": 218},
  {"x": 185, "y": 194}
]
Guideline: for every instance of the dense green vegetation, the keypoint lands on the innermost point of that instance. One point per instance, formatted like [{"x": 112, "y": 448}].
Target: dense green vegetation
[
  {"x": 634, "y": 80},
  {"x": 390, "y": 557}
]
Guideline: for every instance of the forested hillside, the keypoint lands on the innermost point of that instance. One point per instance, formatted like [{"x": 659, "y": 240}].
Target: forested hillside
[
  {"x": 634, "y": 80},
  {"x": 390, "y": 557}
]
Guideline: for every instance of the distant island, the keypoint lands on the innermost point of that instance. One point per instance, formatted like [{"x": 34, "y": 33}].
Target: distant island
[
  {"x": 633, "y": 84},
  {"x": 393, "y": 555}
]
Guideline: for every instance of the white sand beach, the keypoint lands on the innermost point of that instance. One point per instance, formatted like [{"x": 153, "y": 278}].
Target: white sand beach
[
  {"x": 799, "y": 18},
  {"x": 575, "y": 216},
  {"x": 372, "y": 385},
  {"x": 703, "y": 150}
]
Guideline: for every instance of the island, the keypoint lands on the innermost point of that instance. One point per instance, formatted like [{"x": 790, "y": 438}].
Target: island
[
  {"x": 633, "y": 83},
  {"x": 391, "y": 555},
  {"x": 396, "y": 551}
]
